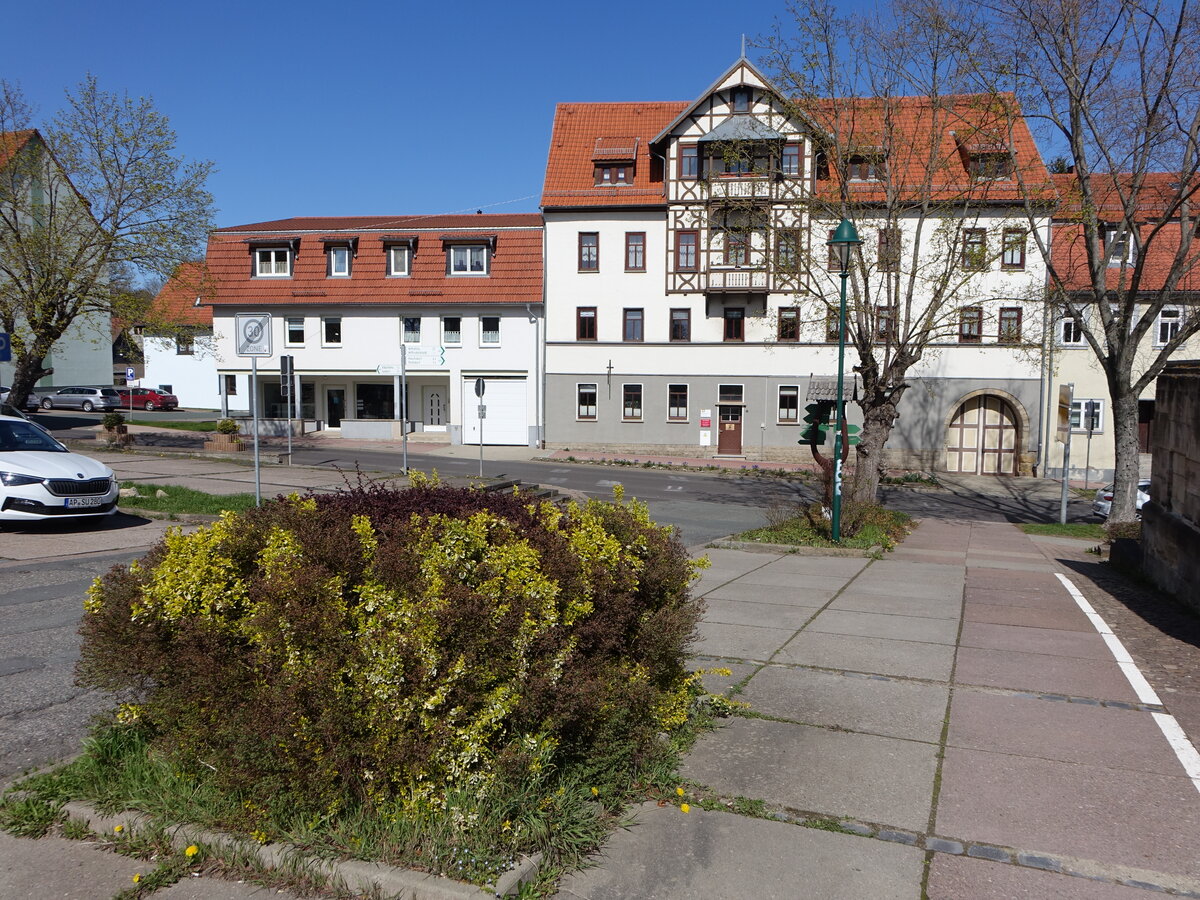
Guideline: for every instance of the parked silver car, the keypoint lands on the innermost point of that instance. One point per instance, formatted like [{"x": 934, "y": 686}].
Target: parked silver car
[
  {"x": 1102, "y": 505},
  {"x": 84, "y": 398}
]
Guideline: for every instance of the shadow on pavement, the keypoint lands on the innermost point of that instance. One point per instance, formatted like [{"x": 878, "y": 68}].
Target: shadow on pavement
[{"x": 118, "y": 521}]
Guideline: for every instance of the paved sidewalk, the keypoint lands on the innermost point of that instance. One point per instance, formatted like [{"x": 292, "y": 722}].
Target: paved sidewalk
[{"x": 947, "y": 718}]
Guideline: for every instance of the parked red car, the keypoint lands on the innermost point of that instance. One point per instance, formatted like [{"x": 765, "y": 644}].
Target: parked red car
[{"x": 147, "y": 398}]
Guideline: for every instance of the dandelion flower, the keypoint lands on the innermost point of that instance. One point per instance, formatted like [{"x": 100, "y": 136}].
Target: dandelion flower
[
  {"x": 191, "y": 851},
  {"x": 595, "y": 792},
  {"x": 685, "y": 807},
  {"x": 679, "y": 791},
  {"x": 118, "y": 829},
  {"x": 137, "y": 877}
]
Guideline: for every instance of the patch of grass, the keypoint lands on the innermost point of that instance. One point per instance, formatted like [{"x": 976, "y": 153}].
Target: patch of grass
[
  {"x": 29, "y": 817},
  {"x": 925, "y": 478},
  {"x": 148, "y": 419},
  {"x": 181, "y": 499},
  {"x": 1083, "y": 530},
  {"x": 880, "y": 527}
]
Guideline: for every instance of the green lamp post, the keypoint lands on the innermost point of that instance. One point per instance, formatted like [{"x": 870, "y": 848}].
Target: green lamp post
[{"x": 844, "y": 240}]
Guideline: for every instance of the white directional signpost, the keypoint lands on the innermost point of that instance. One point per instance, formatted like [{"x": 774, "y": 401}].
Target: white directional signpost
[
  {"x": 253, "y": 339},
  {"x": 480, "y": 387}
]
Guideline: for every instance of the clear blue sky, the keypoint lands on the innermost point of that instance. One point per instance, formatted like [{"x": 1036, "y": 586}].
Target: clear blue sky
[{"x": 313, "y": 108}]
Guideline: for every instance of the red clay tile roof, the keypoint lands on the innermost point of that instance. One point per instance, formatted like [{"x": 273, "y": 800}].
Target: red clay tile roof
[
  {"x": 515, "y": 275},
  {"x": 176, "y": 302},
  {"x": 11, "y": 143},
  {"x": 575, "y": 141}
]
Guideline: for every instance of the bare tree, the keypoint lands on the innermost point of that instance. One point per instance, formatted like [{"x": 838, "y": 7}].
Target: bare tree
[
  {"x": 926, "y": 174},
  {"x": 96, "y": 203},
  {"x": 1115, "y": 85}
]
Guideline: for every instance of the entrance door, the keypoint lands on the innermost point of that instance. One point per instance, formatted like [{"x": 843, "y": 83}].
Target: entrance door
[
  {"x": 435, "y": 409},
  {"x": 729, "y": 437},
  {"x": 335, "y": 406},
  {"x": 982, "y": 438}
]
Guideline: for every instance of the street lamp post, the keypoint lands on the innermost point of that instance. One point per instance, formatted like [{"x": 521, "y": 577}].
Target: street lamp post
[{"x": 844, "y": 240}]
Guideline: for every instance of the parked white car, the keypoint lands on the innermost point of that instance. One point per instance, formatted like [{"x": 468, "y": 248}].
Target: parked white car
[
  {"x": 1102, "y": 505},
  {"x": 41, "y": 479}
]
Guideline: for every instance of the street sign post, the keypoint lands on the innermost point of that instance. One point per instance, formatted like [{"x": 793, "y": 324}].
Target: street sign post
[
  {"x": 480, "y": 387},
  {"x": 287, "y": 368},
  {"x": 252, "y": 338},
  {"x": 1066, "y": 394}
]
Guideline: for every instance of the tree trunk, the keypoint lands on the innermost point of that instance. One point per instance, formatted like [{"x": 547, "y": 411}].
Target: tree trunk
[
  {"x": 869, "y": 466},
  {"x": 27, "y": 372},
  {"x": 1127, "y": 469}
]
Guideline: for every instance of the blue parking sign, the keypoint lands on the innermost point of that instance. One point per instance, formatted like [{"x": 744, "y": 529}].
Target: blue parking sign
[{"x": 5, "y": 348}]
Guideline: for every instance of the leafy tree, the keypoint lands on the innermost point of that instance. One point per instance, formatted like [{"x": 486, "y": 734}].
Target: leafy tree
[
  {"x": 1115, "y": 83},
  {"x": 96, "y": 203}
]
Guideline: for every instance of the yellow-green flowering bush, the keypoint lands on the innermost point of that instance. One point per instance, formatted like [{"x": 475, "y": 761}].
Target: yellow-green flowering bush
[{"x": 398, "y": 645}]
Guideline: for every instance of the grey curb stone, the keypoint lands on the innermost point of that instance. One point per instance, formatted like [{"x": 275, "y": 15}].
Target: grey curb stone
[
  {"x": 1034, "y": 861},
  {"x": 940, "y": 845},
  {"x": 982, "y": 851},
  {"x": 897, "y": 837},
  {"x": 1144, "y": 885},
  {"x": 857, "y": 828},
  {"x": 794, "y": 549}
]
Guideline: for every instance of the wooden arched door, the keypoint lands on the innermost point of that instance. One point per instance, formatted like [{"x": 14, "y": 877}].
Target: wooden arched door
[{"x": 982, "y": 437}]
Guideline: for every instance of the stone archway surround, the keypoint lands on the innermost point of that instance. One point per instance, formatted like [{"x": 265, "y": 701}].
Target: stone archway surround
[{"x": 1021, "y": 463}]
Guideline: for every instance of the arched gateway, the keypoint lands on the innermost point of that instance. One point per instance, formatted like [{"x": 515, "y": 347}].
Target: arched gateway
[{"x": 983, "y": 436}]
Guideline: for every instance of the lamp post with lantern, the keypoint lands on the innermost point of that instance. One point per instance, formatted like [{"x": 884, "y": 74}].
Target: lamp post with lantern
[{"x": 843, "y": 242}]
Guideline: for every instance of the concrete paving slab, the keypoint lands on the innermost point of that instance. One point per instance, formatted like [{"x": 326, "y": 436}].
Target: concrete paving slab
[
  {"x": 740, "y": 641},
  {"x": 1033, "y": 600},
  {"x": 715, "y": 683},
  {"x": 1026, "y": 582},
  {"x": 779, "y": 578},
  {"x": 842, "y": 566},
  {"x": 1009, "y": 564},
  {"x": 910, "y": 659},
  {"x": 884, "y": 625},
  {"x": 958, "y": 878},
  {"x": 1100, "y": 679},
  {"x": 1035, "y": 640},
  {"x": 670, "y": 855},
  {"x": 741, "y": 592},
  {"x": 995, "y": 614},
  {"x": 864, "y": 776},
  {"x": 772, "y": 615},
  {"x": 913, "y": 590},
  {"x": 944, "y": 606},
  {"x": 913, "y": 554},
  {"x": 900, "y": 709},
  {"x": 65, "y": 870},
  {"x": 1120, "y": 817},
  {"x": 1068, "y": 732}
]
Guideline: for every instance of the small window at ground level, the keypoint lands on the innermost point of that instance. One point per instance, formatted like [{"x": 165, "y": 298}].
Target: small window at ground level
[
  {"x": 585, "y": 401},
  {"x": 677, "y": 401},
  {"x": 789, "y": 403},
  {"x": 631, "y": 401}
]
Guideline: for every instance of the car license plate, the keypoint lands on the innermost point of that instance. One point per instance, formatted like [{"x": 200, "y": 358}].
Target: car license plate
[{"x": 84, "y": 502}]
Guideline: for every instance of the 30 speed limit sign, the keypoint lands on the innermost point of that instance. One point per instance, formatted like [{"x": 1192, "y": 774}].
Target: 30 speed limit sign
[{"x": 253, "y": 334}]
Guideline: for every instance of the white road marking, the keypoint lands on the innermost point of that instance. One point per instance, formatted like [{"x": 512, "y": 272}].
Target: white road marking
[
  {"x": 1185, "y": 751},
  {"x": 673, "y": 487}
]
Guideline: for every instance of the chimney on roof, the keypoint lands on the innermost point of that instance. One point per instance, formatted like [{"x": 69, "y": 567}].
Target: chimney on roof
[{"x": 479, "y": 212}]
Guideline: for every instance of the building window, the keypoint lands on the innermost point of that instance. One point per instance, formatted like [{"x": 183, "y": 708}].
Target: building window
[
  {"x": 790, "y": 161},
  {"x": 864, "y": 168},
  {"x": 273, "y": 262},
  {"x": 1166, "y": 327},
  {"x": 889, "y": 250},
  {"x": 489, "y": 330},
  {"x": 735, "y": 323},
  {"x": 1120, "y": 249},
  {"x": 412, "y": 329},
  {"x": 468, "y": 259},
  {"x": 991, "y": 166},
  {"x": 789, "y": 324},
  {"x": 294, "y": 335},
  {"x": 585, "y": 401},
  {"x": 974, "y": 248},
  {"x": 1070, "y": 332},
  {"x": 589, "y": 251},
  {"x": 789, "y": 403},
  {"x": 737, "y": 248},
  {"x": 787, "y": 250},
  {"x": 741, "y": 100},
  {"x": 1079, "y": 415},
  {"x": 833, "y": 325},
  {"x": 729, "y": 393},
  {"x": 970, "y": 325},
  {"x": 331, "y": 331},
  {"x": 635, "y": 251},
  {"x": 339, "y": 262},
  {"x": 398, "y": 261},
  {"x": 1013, "y": 255},
  {"x": 677, "y": 402},
  {"x": 230, "y": 385},
  {"x": 451, "y": 329},
  {"x": 622, "y": 173},
  {"x": 185, "y": 344},
  {"x": 632, "y": 329},
  {"x": 686, "y": 243},
  {"x": 681, "y": 325},
  {"x": 689, "y": 162},
  {"x": 631, "y": 402},
  {"x": 885, "y": 322},
  {"x": 585, "y": 323},
  {"x": 1009, "y": 331}
]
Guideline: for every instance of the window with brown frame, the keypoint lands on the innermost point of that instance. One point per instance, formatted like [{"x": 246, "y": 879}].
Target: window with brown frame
[
  {"x": 589, "y": 251},
  {"x": 1013, "y": 250},
  {"x": 787, "y": 249},
  {"x": 737, "y": 248},
  {"x": 789, "y": 404},
  {"x": 789, "y": 163},
  {"x": 686, "y": 246},
  {"x": 974, "y": 249},
  {"x": 970, "y": 325},
  {"x": 864, "y": 168},
  {"x": 735, "y": 323},
  {"x": 585, "y": 401},
  {"x": 677, "y": 402},
  {"x": 885, "y": 322},
  {"x": 635, "y": 251},
  {"x": 741, "y": 99},
  {"x": 789, "y": 324},
  {"x": 889, "y": 250},
  {"x": 991, "y": 166},
  {"x": 633, "y": 323},
  {"x": 1009, "y": 330},
  {"x": 618, "y": 173},
  {"x": 689, "y": 162},
  {"x": 631, "y": 402},
  {"x": 585, "y": 323},
  {"x": 681, "y": 325}
]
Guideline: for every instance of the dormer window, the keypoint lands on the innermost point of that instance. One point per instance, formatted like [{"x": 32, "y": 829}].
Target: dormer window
[
  {"x": 399, "y": 258},
  {"x": 468, "y": 259},
  {"x": 741, "y": 100},
  {"x": 991, "y": 166},
  {"x": 1119, "y": 247},
  {"x": 617, "y": 173},
  {"x": 339, "y": 262},
  {"x": 864, "y": 167},
  {"x": 272, "y": 262},
  {"x": 613, "y": 159}
]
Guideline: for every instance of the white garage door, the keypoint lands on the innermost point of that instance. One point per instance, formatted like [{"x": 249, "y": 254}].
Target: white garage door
[{"x": 507, "y": 419}]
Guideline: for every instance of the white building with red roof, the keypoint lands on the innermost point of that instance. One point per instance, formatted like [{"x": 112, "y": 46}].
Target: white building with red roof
[{"x": 459, "y": 295}]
